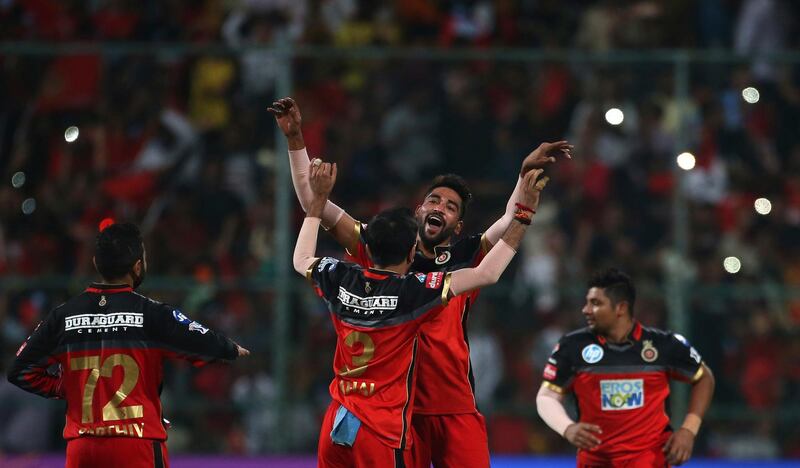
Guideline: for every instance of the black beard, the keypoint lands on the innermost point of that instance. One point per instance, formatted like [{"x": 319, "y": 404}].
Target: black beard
[{"x": 430, "y": 242}]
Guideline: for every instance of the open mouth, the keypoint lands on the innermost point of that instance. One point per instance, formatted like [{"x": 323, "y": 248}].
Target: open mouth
[{"x": 434, "y": 224}]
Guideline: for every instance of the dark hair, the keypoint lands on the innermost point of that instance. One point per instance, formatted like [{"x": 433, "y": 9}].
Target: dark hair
[
  {"x": 617, "y": 285},
  {"x": 458, "y": 185},
  {"x": 390, "y": 235},
  {"x": 117, "y": 249}
]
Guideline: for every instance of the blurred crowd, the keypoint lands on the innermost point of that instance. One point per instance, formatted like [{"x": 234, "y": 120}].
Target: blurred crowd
[{"x": 181, "y": 143}]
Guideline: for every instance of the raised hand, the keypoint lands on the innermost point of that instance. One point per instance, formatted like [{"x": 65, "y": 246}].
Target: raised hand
[
  {"x": 545, "y": 155},
  {"x": 322, "y": 178},
  {"x": 287, "y": 114},
  {"x": 532, "y": 187}
]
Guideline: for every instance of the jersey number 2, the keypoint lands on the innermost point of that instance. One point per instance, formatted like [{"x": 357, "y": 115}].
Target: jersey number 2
[{"x": 111, "y": 411}]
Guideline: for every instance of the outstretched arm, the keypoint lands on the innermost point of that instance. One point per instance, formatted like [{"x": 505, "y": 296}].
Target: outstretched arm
[
  {"x": 496, "y": 261},
  {"x": 322, "y": 178},
  {"x": 542, "y": 156},
  {"x": 341, "y": 225}
]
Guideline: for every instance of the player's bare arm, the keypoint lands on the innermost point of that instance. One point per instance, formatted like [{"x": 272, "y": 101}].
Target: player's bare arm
[
  {"x": 321, "y": 181},
  {"x": 550, "y": 406},
  {"x": 544, "y": 155},
  {"x": 341, "y": 225},
  {"x": 678, "y": 448},
  {"x": 489, "y": 270}
]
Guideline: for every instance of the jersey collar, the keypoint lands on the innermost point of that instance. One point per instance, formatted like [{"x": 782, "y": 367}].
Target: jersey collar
[
  {"x": 100, "y": 288},
  {"x": 634, "y": 335}
]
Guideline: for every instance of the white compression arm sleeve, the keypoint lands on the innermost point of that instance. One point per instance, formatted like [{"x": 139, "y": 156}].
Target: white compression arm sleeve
[
  {"x": 551, "y": 410},
  {"x": 299, "y": 164},
  {"x": 497, "y": 229},
  {"x": 306, "y": 245},
  {"x": 486, "y": 273}
]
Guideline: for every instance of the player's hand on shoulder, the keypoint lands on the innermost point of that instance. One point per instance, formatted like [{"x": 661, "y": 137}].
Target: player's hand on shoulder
[
  {"x": 678, "y": 448},
  {"x": 322, "y": 177},
  {"x": 583, "y": 435},
  {"x": 287, "y": 114},
  {"x": 546, "y": 154}
]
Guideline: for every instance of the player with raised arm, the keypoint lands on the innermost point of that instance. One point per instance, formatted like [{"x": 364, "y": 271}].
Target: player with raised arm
[
  {"x": 452, "y": 431},
  {"x": 619, "y": 372},
  {"x": 377, "y": 312},
  {"x": 103, "y": 350}
]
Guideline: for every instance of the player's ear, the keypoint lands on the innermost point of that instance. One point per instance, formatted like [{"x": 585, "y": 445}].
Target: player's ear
[
  {"x": 138, "y": 267},
  {"x": 459, "y": 226},
  {"x": 412, "y": 253}
]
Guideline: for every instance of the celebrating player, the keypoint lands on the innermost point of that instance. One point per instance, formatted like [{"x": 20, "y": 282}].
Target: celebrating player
[
  {"x": 377, "y": 313},
  {"x": 619, "y": 372},
  {"x": 451, "y": 430},
  {"x": 102, "y": 352}
]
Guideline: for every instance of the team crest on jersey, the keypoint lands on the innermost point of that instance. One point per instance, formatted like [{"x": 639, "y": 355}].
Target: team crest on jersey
[
  {"x": 592, "y": 353},
  {"x": 103, "y": 301},
  {"x": 367, "y": 287},
  {"x": 443, "y": 258},
  {"x": 434, "y": 280},
  {"x": 617, "y": 395},
  {"x": 649, "y": 352}
]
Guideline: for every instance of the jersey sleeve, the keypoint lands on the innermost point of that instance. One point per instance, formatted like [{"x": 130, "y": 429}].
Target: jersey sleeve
[
  {"x": 326, "y": 276},
  {"x": 187, "y": 339},
  {"x": 360, "y": 256},
  {"x": 422, "y": 292},
  {"x": 684, "y": 362},
  {"x": 35, "y": 369},
  {"x": 559, "y": 370}
]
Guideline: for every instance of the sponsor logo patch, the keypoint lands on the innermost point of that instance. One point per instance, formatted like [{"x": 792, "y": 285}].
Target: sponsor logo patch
[
  {"x": 550, "y": 372},
  {"x": 194, "y": 326},
  {"x": 116, "y": 319},
  {"x": 592, "y": 353},
  {"x": 434, "y": 280},
  {"x": 420, "y": 277},
  {"x": 372, "y": 304},
  {"x": 695, "y": 355},
  {"x": 327, "y": 262},
  {"x": 618, "y": 395},
  {"x": 179, "y": 317}
]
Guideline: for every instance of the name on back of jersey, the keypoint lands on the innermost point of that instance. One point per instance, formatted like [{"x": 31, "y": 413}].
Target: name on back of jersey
[
  {"x": 618, "y": 395},
  {"x": 103, "y": 323}
]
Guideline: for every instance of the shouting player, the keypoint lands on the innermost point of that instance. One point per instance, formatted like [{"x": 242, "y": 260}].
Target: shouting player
[
  {"x": 102, "y": 352},
  {"x": 377, "y": 313},
  {"x": 619, "y": 372},
  {"x": 452, "y": 433}
]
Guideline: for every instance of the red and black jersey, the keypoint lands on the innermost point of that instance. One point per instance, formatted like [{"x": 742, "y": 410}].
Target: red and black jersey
[
  {"x": 445, "y": 384},
  {"x": 377, "y": 316},
  {"x": 623, "y": 387},
  {"x": 102, "y": 351}
]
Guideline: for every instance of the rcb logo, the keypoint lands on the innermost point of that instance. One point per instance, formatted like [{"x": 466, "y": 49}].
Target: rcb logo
[{"x": 649, "y": 352}]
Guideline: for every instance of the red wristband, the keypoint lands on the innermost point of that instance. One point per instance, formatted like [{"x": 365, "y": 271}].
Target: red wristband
[{"x": 525, "y": 208}]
